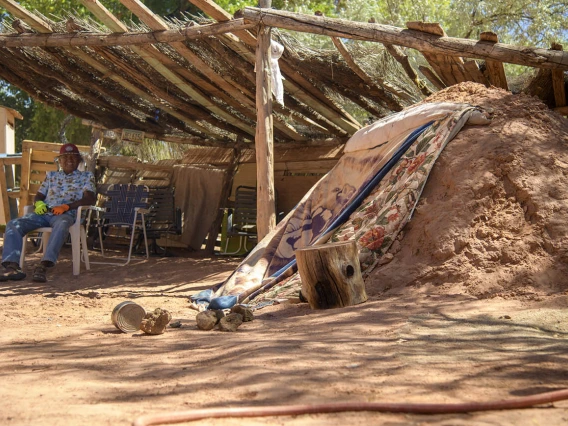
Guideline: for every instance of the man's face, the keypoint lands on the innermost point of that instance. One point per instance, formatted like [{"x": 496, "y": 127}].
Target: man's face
[{"x": 69, "y": 162}]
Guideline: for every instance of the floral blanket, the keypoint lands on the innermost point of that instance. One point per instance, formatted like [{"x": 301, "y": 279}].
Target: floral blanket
[{"x": 367, "y": 197}]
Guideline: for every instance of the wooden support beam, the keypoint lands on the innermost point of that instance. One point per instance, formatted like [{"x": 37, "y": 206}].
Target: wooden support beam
[
  {"x": 558, "y": 82},
  {"x": 147, "y": 55},
  {"x": 228, "y": 180},
  {"x": 520, "y": 55},
  {"x": 433, "y": 78},
  {"x": 37, "y": 24},
  {"x": 81, "y": 39},
  {"x": 266, "y": 209},
  {"x": 294, "y": 83},
  {"x": 42, "y": 27},
  {"x": 474, "y": 72},
  {"x": 494, "y": 69},
  {"x": 397, "y": 53},
  {"x": 220, "y": 88},
  {"x": 450, "y": 69},
  {"x": 562, "y": 110}
]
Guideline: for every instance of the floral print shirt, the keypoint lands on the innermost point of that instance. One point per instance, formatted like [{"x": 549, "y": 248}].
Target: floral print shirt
[{"x": 60, "y": 188}]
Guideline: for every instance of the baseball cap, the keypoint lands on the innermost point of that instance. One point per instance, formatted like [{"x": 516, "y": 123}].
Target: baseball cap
[{"x": 69, "y": 148}]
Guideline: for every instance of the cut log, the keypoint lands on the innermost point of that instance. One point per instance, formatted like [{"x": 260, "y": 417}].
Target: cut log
[
  {"x": 424, "y": 42},
  {"x": 331, "y": 275}
]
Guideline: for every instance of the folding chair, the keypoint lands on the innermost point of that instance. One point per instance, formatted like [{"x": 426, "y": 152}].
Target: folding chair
[
  {"x": 163, "y": 218},
  {"x": 125, "y": 207},
  {"x": 78, "y": 241},
  {"x": 242, "y": 222}
]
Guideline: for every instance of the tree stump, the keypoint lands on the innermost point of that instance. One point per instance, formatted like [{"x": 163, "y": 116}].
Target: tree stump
[{"x": 331, "y": 275}]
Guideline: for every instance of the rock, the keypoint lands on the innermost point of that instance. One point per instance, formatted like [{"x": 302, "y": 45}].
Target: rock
[
  {"x": 207, "y": 320},
  {"x": 245, "y": 312},
  {"x": 230, "y": 322},
  {"x": 176, "y": 324},
  {"x": 156, "y": 322}
]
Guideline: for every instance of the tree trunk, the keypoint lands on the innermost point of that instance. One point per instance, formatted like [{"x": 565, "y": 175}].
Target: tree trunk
[{"x": 331, "y": 275}]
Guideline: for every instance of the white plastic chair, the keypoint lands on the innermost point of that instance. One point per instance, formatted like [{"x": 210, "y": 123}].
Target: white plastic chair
[{"x": 78, "y": 241}]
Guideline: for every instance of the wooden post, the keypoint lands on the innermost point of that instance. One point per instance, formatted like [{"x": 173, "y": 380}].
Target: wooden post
[
  {"x": 266, "y": 210},
  {"x": 331, "y": 275},
  {"x": 225, "y": 192},
  {"x": 558, "y": 81}
]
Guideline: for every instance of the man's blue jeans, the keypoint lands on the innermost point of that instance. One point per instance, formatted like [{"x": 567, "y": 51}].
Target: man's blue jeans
[{"x": 17, "y": 228}]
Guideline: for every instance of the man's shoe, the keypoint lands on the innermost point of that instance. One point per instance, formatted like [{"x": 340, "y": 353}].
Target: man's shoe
[
  {"x": 12, "y": 272},
  {"x": 39, "y": 275}
]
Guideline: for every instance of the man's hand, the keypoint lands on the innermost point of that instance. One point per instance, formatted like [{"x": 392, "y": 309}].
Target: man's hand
[
  {"x": 40, "y": 207},
  {"x": 57, "y": 210}
]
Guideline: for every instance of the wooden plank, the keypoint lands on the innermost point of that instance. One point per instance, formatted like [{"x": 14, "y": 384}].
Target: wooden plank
[
  {"x": 562, "y": 110},
  {"x": 114, "y": 163},
  {"x": 424, "y": 42},
  {"x": 43, "y": 167},
  {"x": 4, "y": 192},
  {"x": 403, "y": 60},
  {"x": 266, "y": 209},
  {"x": 11, "y": 161},
  {"x": 43, "y": 156},
  {"x": 558, "y": 82},
  {"x": 24, "y": 180},
  {"x": 37, "y": 176},
  {"x": 494, "y": 69},
  {"x": 305, "y": 166},
  {"x": 433, "y": 78},
  {"x": 475, "y": 73},
  {"x": 33, "y": 189},
  {"x": 448, "y": 68}
]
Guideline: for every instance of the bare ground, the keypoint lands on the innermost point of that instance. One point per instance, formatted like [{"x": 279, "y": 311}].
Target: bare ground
[{"x": 64, "y": 363}]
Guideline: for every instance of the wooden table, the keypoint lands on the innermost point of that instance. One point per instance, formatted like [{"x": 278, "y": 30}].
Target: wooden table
[{"x": 8, "y": 192}]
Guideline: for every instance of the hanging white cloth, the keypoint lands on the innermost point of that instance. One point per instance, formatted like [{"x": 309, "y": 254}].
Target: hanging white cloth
[{"x": 276, "y": 50}]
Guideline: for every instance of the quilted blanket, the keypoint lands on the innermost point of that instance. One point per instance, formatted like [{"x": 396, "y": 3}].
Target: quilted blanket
[{"x": 368, "y": 197}]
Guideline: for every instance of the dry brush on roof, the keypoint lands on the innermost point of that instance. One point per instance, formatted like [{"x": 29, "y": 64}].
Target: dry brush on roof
[{"x": 192, "y": 80}]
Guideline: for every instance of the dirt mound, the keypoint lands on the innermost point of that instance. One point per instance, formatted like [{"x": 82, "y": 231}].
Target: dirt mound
[{"x": 493, "y": 218}]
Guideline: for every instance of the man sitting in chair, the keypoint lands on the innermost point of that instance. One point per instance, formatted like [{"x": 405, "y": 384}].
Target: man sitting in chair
[{"x": 55, "y": 206}]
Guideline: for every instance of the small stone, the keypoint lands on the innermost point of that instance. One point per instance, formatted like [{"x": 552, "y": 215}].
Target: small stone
[
  {"x": 230, "y": 322},
  {"x": 245, "y": 312},
  {"x": 207, "y": 320},
  {"x": 156, "y": 322},
  {"x": 175, "y": 324}
]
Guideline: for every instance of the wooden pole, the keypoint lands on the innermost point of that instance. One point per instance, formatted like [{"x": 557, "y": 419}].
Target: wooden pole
[
  {"x": 80, "y": 39},
  {"x": 331, "y": 275},
  {"x": 424, "y": 42},
  {"x": 266, "y": 211},
  {"x": 558, "y": 81},
  {"x": 225, "y": 193}
]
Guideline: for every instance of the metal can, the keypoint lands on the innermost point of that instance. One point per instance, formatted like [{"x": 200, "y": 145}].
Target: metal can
[{"x": 127, "y": 316}]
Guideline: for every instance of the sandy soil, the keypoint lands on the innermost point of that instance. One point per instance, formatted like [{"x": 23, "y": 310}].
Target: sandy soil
[{"x": 472, "y": 307}]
